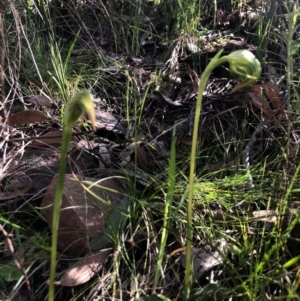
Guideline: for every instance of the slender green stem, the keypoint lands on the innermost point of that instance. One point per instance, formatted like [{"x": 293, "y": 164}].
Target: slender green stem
[
  {"x": 57, "y": 205},
  {"x": 81, "y": 103},
  {"x": 244, "y": 65},
  {"x": 290, "y": 49},
  {"x": 204, "y": 78},
  {"x": 167, "y": 217}
]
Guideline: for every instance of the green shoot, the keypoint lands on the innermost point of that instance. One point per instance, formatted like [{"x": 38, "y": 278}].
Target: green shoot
[{"x": 81, "y": 103}]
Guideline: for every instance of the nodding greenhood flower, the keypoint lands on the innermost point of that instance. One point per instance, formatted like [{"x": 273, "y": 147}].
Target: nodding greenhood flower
[
  {"x": 81, "y": 103},
  {"x": 245, "y": 66}
]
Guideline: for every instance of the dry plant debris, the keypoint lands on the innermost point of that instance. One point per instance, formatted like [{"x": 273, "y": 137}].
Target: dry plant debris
[
  {"x": 84, "y": 269},
  {"x": 26, "y": 117},
  {"x": 142, "y": 96},
  {"x": 84, "y": 211}
]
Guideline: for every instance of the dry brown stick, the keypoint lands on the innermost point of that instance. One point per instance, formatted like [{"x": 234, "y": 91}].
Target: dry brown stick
[
  {"x": 45, "y": 137},
  {"x": 11, "y": 251},
  {"x": 246, "y": 154},
  {"x": 2, "y": 66}
]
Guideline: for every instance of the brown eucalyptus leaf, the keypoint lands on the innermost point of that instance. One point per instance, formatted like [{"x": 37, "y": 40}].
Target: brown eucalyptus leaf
[
  {"x": 10, "y": 195},
  {"x": 258, "y": 99},
  {"x": 273, "y": 93},
  {"x": 26, "y": 117},
  {"x": 83, "y": 215},
  {"x": 40, "y": 100},
  {"x": 195, "y": 81},
  {"x": 15, "y": 185},
  {"x": 142, "y": 157},
  {"x": 140, "y": 154},
  {"x": 49, "y": 138},
  {"x": 84, "y": 269}
]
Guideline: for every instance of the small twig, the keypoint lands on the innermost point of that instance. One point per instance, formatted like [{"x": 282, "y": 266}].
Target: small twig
[
  {"x": 246, "y": 154},
  {"x": 45, "y": 137},
  {"x": 169, "y": 129},
  {"x": 2, "y": 67},
  {"x": 11, "y": 251}
]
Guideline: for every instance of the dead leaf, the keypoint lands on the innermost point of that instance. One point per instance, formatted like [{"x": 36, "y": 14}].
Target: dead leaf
[
  {"x": 273, "y": 93},
  {"x": 49, "y": 138},
  {"x": 83, "y": 270},
  {"x": 231, "y": 161},
  {"x": 207, "y": 257},
  {"x": 16, "y": 187},
  {"x": 195, "y": 81},
  {"x": 234, "y": 45},
  {"x": 189, "y": 140},
  {"x": 10, "y": 195},
  {"x": 265, "y": 216},
  {"x": 26, "y": 117},
  {"x": 258, "y": 99},
  {"x": 135, "y": 149},
  {"x": 164, "y": 99},
  {"x": 83, "y": 215},
  {"x": 103, "y": 42},
  {"x": 104, "y": 153},
  {"x": 140, "y": 154},
  {"x": 84, "y": 144},
  {"x": 40, "y": 100},
  {"x": 105, "y": 120}
]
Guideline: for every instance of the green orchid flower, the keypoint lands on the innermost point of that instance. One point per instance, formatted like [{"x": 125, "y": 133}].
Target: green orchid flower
[
  {"x": 245, "y": 66},
  {"x": 81, "y": 103}
]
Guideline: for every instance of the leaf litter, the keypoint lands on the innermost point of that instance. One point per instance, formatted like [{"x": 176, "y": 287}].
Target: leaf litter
[{"x": 169, "y": 106}]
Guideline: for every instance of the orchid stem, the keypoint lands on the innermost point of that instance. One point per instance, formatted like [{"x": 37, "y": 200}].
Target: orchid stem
[
  {"x": 244, "y": 65},
  {"x": 203, "y": 81},
  {"x": 81, "y": 103},
  {"x": 67, "y": 133}
]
